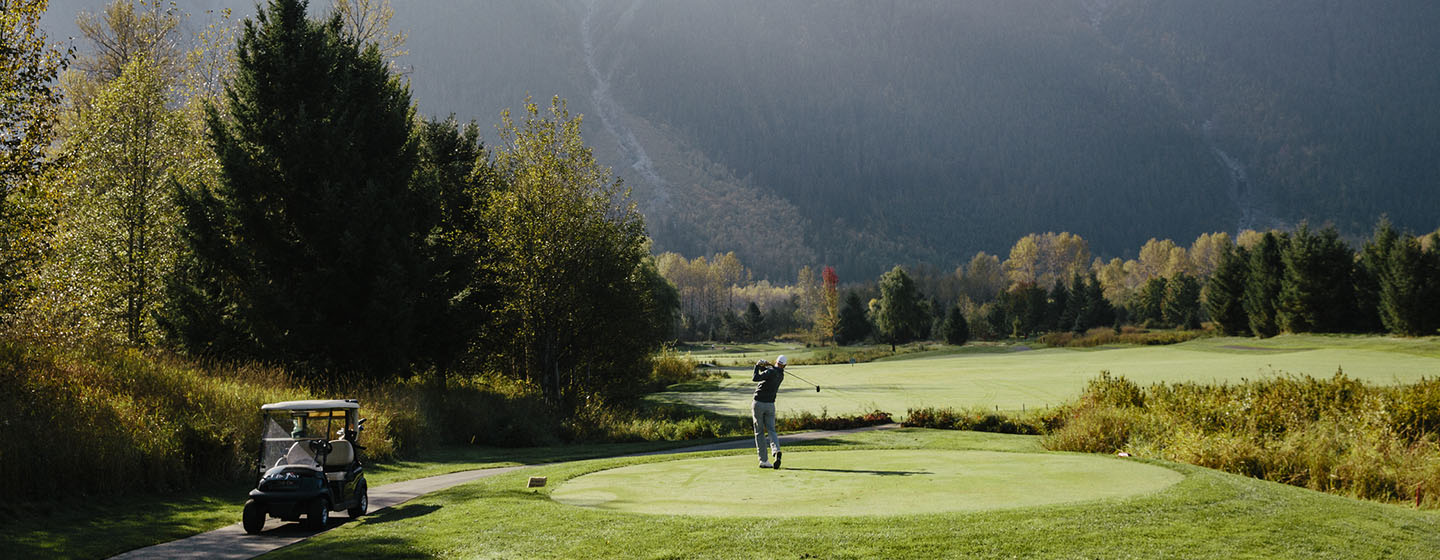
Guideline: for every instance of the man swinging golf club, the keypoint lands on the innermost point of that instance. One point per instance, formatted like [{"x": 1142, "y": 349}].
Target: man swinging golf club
[{"x": 763, "y": 409}]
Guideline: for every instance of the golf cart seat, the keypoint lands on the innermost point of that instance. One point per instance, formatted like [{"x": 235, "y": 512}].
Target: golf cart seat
[{"x": 342, "y": 453}]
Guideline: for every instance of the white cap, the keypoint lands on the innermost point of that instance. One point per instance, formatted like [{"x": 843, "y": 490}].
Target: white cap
[{"x": 780, "y": 360}]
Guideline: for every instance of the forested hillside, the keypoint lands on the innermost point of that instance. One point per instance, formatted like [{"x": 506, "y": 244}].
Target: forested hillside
[{"x": 863, "y": 134}]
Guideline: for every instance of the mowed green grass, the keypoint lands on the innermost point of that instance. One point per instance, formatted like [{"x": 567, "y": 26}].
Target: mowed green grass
[
  {"x": 105, "y": 527},
  {"x": 1207, "y": 514},
  {"x": 876, "y": 481},
  {"x": 1048, "y": 377}
]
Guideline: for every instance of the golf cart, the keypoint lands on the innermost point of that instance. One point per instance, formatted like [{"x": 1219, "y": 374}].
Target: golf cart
[{"x": 309, "y": 463}]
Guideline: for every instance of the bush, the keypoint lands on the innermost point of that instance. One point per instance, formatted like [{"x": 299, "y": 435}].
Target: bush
[
  {"x": 1101, "y": 336},
  {"x": 976, "y": 420},
  {"x": 809, "y": 421},
  {"x": 1112, "y": 391},
  {"x": 598, "y": 420},
  {"x": 1335, "y": 435},
  {"x": 1094, "y": 430}
]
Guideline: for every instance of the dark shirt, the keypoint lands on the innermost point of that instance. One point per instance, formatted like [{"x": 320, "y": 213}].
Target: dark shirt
[{"x": 769, "y": 382}]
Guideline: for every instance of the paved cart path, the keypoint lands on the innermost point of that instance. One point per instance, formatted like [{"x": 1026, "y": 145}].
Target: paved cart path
[{"x": 231, "y": 542}]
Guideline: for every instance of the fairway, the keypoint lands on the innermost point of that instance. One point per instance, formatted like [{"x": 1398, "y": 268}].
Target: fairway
[
  {"x": 1048, "y": 377},
  {"x": 1206, "y": 514},
  {"x": 849, "y": 483}
]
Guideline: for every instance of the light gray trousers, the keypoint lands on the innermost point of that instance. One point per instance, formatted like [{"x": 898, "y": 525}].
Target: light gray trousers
[{"x": 763, "y": 413}]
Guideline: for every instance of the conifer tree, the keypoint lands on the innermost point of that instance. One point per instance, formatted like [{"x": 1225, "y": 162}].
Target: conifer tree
[
  {"x": 1097, "y": 311},
  {"x": 1225, "y": 292},
  {"x": 1410, "y": 289},
  {"x": 1150, "y": 304},
  {"x": 1060, "y": 312},
  {"x": 1369, "y": 271},
  {"x": 307, "y": 251},
  {"x": 1182, "y": 302},
  {"x": 753, "y": 322},
  {"x": 956, "y": 329},
  {"x": 1262, "y": 286},
  {"x": 1316, "y": 293},
  {"x": 853, "y": 326}
]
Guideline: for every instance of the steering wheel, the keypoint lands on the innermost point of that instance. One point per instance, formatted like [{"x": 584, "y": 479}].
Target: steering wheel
[{"x": 320, "y": 446}]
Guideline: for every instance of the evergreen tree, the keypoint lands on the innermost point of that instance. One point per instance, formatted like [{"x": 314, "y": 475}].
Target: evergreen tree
[
  {"x": 753, "y": 322},
  {"x": 1182, "y": 302},
  {"x": 1026, "y": 307},
  {"x": 454, "y": 169},
  {"x": 901, "y": 316},
  {"x": 957, "y": 330},
  {"x": 1262, "y": 286},
  {"x": 1316, "y": 294},
  {"x": 732, "y": 327},
  {"x": 1410, "y": 289},
  {"x": 1225, "y": 292},
  {"x": 1369, "y": 271},
  {"x": 852, "y": 326},
  {"x": 1060, "y": 311},
  {"x": 308, "y": 250},
  {"x": 1097, "y": 310},
  {"x": 1150, "y": 302}
]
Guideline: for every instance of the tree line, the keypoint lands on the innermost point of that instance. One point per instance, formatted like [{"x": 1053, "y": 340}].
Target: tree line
[
  {"x": 267, "y": 192},
  {"x": 1257, "y": 283}
]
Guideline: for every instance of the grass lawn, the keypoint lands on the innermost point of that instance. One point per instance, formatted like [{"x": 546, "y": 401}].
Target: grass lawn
[
  {"x": 1207, "y": 514},
  {"x": 745, "y": 354},
  {"x": 1047, "y": 377},
  {"x": 101, "y": 529}
]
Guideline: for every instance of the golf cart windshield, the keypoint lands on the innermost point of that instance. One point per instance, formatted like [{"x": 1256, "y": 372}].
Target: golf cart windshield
[{"x": 296, "y": 436}]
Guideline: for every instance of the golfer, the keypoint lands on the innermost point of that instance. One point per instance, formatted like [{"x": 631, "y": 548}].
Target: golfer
[{"x": 763, "y": 409}]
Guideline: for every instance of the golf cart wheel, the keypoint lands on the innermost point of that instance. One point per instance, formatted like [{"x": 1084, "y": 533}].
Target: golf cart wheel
[
  {"x": 254, "y": 517},
  {"x": 319, "y": 515},
  {"x": 362, "y": 504}
]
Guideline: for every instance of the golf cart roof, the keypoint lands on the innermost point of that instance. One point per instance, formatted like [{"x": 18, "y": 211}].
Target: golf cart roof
[{"x": 312, "y": 405}]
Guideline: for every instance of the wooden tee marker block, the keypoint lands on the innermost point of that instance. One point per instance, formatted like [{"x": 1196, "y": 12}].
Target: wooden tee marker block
[{"x": 536, "y": 482}]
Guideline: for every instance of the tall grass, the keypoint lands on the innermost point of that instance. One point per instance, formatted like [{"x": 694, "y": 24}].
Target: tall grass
[
  {"x": 979, "y": 419},
  {"x": 85, "y": 420},
  {"x": 1336, "y": 435},
  {"x": 99, "y": 421},
  {"x": 1101, "y": 336},
  {"x": 824, "y": 421}
]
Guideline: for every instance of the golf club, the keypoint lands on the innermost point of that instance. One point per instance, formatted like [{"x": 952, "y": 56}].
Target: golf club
[{"x": 817, "y": 387}]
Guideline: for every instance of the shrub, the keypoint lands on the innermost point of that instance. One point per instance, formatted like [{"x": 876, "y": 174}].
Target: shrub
[
  {"x": 1095, "y": 430},
  {"x": 1335, "y": 435},
  {"x": 1101, "y": 336},
  {"x": 976, "y": 420},
  {"x": 1112, "y": 391},
  {"x": 809, "y": 421}
]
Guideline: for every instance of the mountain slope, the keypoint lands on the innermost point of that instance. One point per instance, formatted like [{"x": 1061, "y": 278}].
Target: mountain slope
[{"x": 865, "y": 133}]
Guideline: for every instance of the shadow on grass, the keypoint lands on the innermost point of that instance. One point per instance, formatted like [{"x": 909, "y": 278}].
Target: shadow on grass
[
  {"x": 103, "y": 527},
  {"x": 853, "y": 471},
  {"x": 373, "y": 547},
  {"x": 399, "y": 513}
]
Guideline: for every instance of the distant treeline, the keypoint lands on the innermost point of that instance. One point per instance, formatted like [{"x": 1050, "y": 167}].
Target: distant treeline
[{"x": 1262, "y": 283}]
